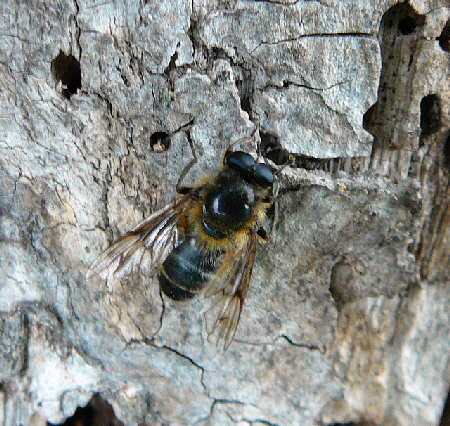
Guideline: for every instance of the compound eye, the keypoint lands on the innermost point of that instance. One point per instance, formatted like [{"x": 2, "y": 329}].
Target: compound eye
[
  {"x": 263, "y": 176},
  {"x": 240, "y": 162}
]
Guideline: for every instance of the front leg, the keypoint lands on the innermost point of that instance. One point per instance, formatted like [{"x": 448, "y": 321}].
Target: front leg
[{"x": 182, "y": 190}]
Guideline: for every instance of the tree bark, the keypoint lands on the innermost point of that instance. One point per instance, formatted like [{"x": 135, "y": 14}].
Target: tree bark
[{"x": 101, "y": 107}]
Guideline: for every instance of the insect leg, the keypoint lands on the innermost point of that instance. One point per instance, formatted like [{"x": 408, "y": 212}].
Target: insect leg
[
  {"x": 272, "y": 212},
  {"x": 185, "y": 189},
  {"x": 240, "y": 141}
]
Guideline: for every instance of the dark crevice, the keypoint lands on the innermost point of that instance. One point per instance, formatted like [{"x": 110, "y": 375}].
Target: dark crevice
[
  {"x": 409, "y": 24},
  {"x": 180, "y": 354},
  {"x": 171, "y": 72},
  {"x": 192, "y": 33},
  {"x": 105, "y": 183},
  {"x": 311, "y": 163},
  {"x": 160, "y": 141},
  {"x": 430, "y": 114},
  {"x": 78, "y": 28},
  {"x": 66, "y": 69},
  {"x": 288, "y": 83},
  {"x": 244, "y": 80},
  {"x": 444, "y": 38},
  {"x": 246, "y": 105},
  {"x": 369, "y": 117},
  {"x": 343, "y": 424},
  {"x": 447, "y": 152},
  {"x": 97, "y": 412},
  {"x": 405, "y": 18},
  {"x": 400, "y": 29},
  {"x": 26, "y": 339},
  {"x": 245, "y": 94},
  {"x": 161, "y": 316},
  {"x": 445, "y": 418},
  {"x": 219, "y": 53},
  {"x": 300, "y": 345},
  {"x": 312, "y": 35},
  {"x": 172, "y": 64},
  {"x": 109, "y": 105},
  {"x": 272, "y": 149}
]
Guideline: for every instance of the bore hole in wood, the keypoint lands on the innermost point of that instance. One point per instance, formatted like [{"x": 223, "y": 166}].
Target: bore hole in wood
[
  {"x": 98, "y": 412},
  {"x": 444, "y": 38},
  {"x": 408, "y": 19},
  {"x": 66, "y": 69},
  {"x": 430, "y": 114},
  {"x": 447, "y": 165},
  {"x": 160, "y": 141},
  {"x": 407, "y": 25}
]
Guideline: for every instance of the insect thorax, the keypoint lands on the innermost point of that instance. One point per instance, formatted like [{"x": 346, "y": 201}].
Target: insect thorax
[{"x": 227, "y": 205}]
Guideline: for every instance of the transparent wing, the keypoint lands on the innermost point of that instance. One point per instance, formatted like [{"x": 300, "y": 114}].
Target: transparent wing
[
  {"x": 155, "y": 237},
  {"x": 231, "y": 285}
]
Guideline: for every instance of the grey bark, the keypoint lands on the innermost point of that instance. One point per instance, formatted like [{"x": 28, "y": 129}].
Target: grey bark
[{"x": 347, "y": 315}]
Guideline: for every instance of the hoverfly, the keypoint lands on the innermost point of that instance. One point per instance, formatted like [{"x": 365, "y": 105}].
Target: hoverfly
[{"x": 204, "y": 241}]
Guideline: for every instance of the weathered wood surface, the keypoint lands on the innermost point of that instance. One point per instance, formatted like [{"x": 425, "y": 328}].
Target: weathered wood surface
[{"x": 347, "y": 316}]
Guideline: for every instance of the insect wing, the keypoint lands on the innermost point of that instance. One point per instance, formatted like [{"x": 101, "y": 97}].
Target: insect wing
[
  {"x": 155, "y": 236},
  {"x": 235, "y": 285}
]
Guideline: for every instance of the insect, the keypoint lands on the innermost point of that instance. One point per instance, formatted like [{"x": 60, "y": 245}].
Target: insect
[{"x": 204, "y": 241}]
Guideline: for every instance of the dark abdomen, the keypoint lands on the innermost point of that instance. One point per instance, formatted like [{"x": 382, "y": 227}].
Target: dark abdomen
[{"x": 186, "y": 270}]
